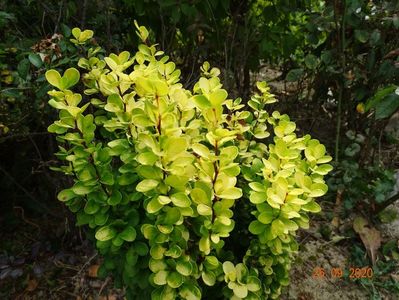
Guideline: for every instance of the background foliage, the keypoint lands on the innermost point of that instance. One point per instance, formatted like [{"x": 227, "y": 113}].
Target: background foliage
[{"x": 335, "y": 65}]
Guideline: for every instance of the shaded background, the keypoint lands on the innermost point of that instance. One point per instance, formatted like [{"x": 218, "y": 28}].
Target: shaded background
[{"x": 333, "y": 66}]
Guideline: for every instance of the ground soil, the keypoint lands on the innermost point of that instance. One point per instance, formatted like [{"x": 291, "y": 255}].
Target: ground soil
[{"x": 54, "y": 261}]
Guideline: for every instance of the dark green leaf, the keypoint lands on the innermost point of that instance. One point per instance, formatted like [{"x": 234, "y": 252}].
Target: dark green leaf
[
  {"x": 35, "y": 60},
  {"x": 387, "y": 107},
  {"x": 128, "y": 234},
  {"x": 105, "y": 233},
  {"x": 294, "y": 75}
]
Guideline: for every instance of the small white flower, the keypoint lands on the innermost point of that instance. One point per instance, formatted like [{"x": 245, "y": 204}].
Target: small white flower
[
  {"x": 358, "y": 10},
  {"x": 329, "y": 93},
  {"x": 397, "y": 91},
  {"x": 367, "y": 18}
]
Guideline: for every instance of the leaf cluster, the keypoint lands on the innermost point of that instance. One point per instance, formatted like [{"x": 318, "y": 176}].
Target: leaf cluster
[{"x": 158, "y": 171}]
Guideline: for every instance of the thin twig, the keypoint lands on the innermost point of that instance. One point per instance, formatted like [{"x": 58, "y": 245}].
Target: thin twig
[
  {"x": 107, "y": 280},
  {"x": 57, "y": 24},
  {"x": 22, "y": 135},
  {"x": 341, "y": 83},
  {"x": 86, "y": 264},
  {"x": 36, "y": 148},
  {"x": 381, "y": 206},
  {"x": 84, "y": 9},
  {"x": 27, "y": 192},
  {"x": 18, "y": 185},
  {"x": 25, "y": 219}
]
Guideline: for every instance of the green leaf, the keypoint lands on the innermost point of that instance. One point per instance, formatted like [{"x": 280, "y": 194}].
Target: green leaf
[
  {"x": 201, "y": 150},
  {"x": 211, "y": 262},
  {"x": 217, "y": 97},
  {"x": 157, "y": 251},
  {"x": 181, "y": 200},
  {"x": 175, "y": 251},
  {"x": 352, "y": 149},
  {"x": 141, "y": 248},
  {"x": 165, "y": 229},
  {"x": 147, "y": 185},
  {"x": 175, "y": 146},
  {"x": 91, "y": 207},
  {"x": 164, "y": 199},
  {"x": 154, "y": 205},
  {"x": 289, "y": 224},
  {"x": 131, "y": 257},
  {"x": 76, "y": 32},
  {"x": 161, "y": 88},
  {"x": 361, "y": 35},
  {"x": 72, "y": 76},
  {"x": 160, "y": 277},
  {"x": 82, "y": 218},
  {"x": 294, "y": 75},
  {"x": 105, "y": 233},
  {"x": 127, "y": 179},
  {"x": 240, "y": 291},
  {"x": 23, "y": 68},
  {"x": 54, "y": 78},
  {"x": 101, "y": 219},
  {"x": 257, "y": 187},
  {"x": 201, "y": 102},
  {"x": 66, "y": 195},
  {"x": 205, "y": 245},
  {"x": 311, "y": 61},
  {"x": 147, "y": 158},
  {"x": 253, "y": 284},
  {"x": 35, "y": 60},
  {"x": 204, "y": 210},
  {"x": 115, "y": 198},
  {"x": 114, "y": 103},
  {"x": 85, "y": 35},
  {"x": 387, "y": 107},
  {"x": 311, "y": 206},
  {"x": 228, "y": 267},
  {"x": 184, "y": 267},
  {"x": 230, "y": 193},
  {"x": 149, "y": 231},
  {"x": 190, "y": 292},
  {"x": 150, "y": 172},
  {"x": 209, "y": 278},
  {"x": 117, "y": 242},
  {"x": 323, "y": 169},
  {"x": 266, "y": 217},
  {"x": 80, "y": 189},
  {"x": 231, "y": 170},
  {"x": 157, "y": 265},
  {"x": 318, "y": 189},
  {"x": 175, "y": 280},
  {"x": 172, "y": 216},
  {"x": 199, "y": 196},
  {"x": 278, "y": 227},
  {"x": 257, "y": 197},
  {"x": 128, "y": 234},
  {"x": 375, "y": 37},
  {"x": 379, "y": 96},
  {"x": 256, "y": 227},
  {"x": 144, "y": 86}
]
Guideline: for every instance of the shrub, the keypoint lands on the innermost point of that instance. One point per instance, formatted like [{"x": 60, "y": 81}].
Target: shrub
[{"x": 187, "y": 194}]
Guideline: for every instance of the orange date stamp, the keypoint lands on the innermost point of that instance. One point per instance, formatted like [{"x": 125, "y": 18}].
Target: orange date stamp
[{"x": 338, "y": 273}]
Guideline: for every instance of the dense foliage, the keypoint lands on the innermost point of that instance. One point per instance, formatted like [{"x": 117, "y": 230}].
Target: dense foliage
[
  {"x": 333, "y": 65},
  {"x": 163, "y": 175}
]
